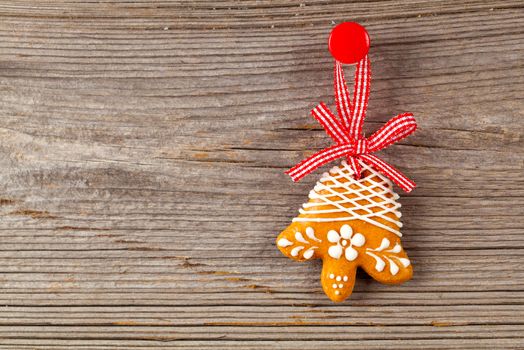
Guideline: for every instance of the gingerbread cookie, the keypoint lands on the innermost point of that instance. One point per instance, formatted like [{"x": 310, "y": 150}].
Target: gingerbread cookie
[
  {"x": 349, "y": 223},
  {"x": 352, "y": 218}
]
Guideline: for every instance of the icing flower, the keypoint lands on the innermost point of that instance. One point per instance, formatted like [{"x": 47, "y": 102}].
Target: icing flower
[{"x": 344, "y": 243}]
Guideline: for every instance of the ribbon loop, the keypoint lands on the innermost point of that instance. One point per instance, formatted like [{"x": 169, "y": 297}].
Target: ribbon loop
[
  {"x": 361, "y": 96},
  {"x": 394, "y": 130},
  {"x": 344, "y": 106},
  {"x": 330, "y": 123},
  {"x": 347, "y": 132},
  {"x": 317, "y": 160}
]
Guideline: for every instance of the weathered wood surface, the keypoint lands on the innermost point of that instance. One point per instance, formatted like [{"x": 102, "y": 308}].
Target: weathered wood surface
[{"x": 142, "y": 150}]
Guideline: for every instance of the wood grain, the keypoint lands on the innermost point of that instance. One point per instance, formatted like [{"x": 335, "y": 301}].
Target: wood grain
[{"x": 142, "y": 150}]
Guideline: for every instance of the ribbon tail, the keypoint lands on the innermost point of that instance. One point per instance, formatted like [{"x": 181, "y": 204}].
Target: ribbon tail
[
  {"x": 355, "y": 166},
  {"x": 395, "y": 175},
  {"x": 317, "y": 160}
]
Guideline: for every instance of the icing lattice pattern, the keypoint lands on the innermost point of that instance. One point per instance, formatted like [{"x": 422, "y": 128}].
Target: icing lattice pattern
[{"x": 370, "y": 199}]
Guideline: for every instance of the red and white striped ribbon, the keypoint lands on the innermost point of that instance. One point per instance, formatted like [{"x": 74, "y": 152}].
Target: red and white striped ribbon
[{"x": 347, "y": 132}]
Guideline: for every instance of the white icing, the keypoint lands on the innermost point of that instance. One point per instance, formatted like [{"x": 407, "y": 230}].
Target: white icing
[
  {"x": 346, "y": 231},
  {"x": 337, "y": 285},
  {"x": 393, "y": 268},
  {"x": 380, "y": 264},
  {"x": 351, "y": 254},
  {"x": 282, "y": 242},
  {"x": 405, "y": 262},
  {"x": 335, "y": 251},
  {"x": 300, "y": 238},
  {"x": 358, "y": 240},
  {"x": 345, "y": 278},
  {"x": 333, "y": 236},
  {"x": 339, "y": 202},
  {"x": 294, "y": 251},
  {"x": 396, "y": 249},
  {"x": 311, "y": 234},
  {"x": 383, "y": 245},
  {"x": 309, "y": 253}
]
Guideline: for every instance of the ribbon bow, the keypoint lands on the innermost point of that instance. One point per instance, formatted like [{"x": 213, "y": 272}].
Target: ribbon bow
[{"x": 347, "y": 132}]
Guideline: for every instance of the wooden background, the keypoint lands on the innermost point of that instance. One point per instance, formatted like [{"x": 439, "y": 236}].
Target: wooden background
[{"x": 142, "y": 150}]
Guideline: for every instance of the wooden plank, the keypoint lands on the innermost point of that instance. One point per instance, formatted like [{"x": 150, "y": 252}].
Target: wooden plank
[{"x": 142, "y": 153}]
